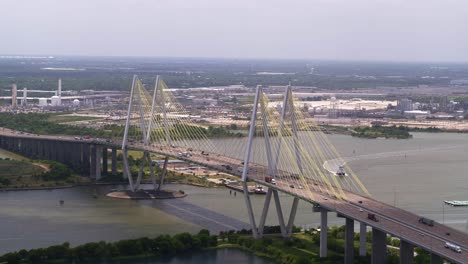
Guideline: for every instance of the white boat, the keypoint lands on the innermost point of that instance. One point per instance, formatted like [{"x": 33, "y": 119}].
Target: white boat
[{"x": 340, "y": 172}]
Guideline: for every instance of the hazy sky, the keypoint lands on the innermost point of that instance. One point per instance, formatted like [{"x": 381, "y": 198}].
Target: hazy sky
[{"x": 401, "y": 30}]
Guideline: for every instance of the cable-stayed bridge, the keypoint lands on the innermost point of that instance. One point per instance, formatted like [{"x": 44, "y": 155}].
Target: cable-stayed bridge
[{"x": 284, "y": 151}]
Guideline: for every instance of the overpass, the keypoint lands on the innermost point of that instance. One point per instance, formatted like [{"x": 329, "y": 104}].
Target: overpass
[{"x": 287, "y": 154}]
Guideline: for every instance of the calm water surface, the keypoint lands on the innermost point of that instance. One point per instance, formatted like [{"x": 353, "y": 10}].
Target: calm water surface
[
  {"x": 225, "y": 256},
  {"x": 415, "y": 174}
]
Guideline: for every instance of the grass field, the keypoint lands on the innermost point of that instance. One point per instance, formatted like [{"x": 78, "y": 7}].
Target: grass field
[
  {"x": 70, "y": 118},
  {"x": 12, "y": 169}
]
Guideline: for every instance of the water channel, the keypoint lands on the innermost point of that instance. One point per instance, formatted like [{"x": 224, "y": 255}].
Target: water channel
[{"x": 417, "y": 174}]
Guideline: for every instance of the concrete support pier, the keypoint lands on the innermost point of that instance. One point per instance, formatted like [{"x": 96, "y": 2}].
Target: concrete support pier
[
  {"x": 349, "y": 241},
  {"x": 104, "y": 161},
  {"x": 114, "y": 161},
  {"x": 436, "y": 259},
  {"x": 323, "y": 233},
  {"x": 92, "y": 167},
  {"x": 98, "y": 151},
  {"x": 379, "y": 247},
  {"x": 406, "y": 252},
  {"x": 86, "y": 159},
  {"x": 362, "y": 240}
]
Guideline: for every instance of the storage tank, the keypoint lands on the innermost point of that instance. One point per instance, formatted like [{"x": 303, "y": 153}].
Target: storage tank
[
  {"x": 55, "y": 100},
  {"x": 42, "y": 101},
  {"x": 76, "y": 102}
]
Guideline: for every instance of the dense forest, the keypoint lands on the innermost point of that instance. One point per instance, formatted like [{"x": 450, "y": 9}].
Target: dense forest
[{"x": 376, "y": 131}]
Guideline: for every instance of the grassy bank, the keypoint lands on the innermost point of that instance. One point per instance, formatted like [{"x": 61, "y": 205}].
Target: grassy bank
[
  {"x": 400, "y": 132},
  {"x": 18, "y": 174}
]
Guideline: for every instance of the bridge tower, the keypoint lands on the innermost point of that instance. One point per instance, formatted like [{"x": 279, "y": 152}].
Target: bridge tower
[
  {"x": 145, "y": 126},
  {"x": 260, "y": 105}
]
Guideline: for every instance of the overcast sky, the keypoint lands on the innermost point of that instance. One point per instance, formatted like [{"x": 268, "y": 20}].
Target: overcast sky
[{"x": 398, "y": 30}]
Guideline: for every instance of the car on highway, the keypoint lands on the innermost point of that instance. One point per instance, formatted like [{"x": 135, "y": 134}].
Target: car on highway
[
  {"x": 372, "y": 217},
  {"x": 453, "y": 247},
  {"x": 426, "y": 221}
]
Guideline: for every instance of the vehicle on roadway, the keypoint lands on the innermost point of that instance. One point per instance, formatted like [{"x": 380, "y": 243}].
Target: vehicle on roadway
[
  {"x": 270, "y": 180},
  {"x": 426, "y": 221},
  {"x": 227, "y": 167},
  {"x": 372, "y": 217},
  {"x": 453, "y": 247},
  {"x": 259, "y": 190},
  {"x": 184, "y": 154}
]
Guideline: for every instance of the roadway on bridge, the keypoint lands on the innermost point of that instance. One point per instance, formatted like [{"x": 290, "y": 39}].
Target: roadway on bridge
[{"x": 392, "y": 220}]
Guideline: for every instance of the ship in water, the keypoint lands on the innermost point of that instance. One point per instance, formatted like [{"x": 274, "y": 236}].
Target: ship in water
[{"x": 340, "y": 172}]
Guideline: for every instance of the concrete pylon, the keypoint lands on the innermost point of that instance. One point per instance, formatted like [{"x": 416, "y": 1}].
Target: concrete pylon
[
  {"x": 379, "y": 247},
  {"x": 98, "y": 151},
  {"x": 406, "y": 252},
  {"x": 436, "y": 259},
  {"x": 323, "y": 233},
  {"x": 92, "y": 167},
  {"x": 349, "y": 241},
  {"x": 362, "y": 239},
  {"x": 104, "y": 161},
  {"x": 114, "y": 161}
]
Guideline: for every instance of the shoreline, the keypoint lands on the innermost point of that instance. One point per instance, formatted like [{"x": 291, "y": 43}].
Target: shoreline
[{"x": 91, "y": 184}]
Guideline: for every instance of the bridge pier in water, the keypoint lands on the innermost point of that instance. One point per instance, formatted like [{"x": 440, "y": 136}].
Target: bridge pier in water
[
  {"x": 379, "y": 246},
  {"x": 92, "y": 165},
  {"x": 104, "y": 161},
  {"x": 98, "y": 154},
  {"x": 86, "y": 156},
  {"x": 406, "y": 252},
  {"x": 114, "y": 161}
]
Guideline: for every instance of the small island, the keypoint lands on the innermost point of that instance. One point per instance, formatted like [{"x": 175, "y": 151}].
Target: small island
[{"x": 377, "y": 131}]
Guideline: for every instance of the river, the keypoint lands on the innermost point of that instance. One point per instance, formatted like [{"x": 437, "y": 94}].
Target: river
[
  {"x": 417, "y": 174},
  {"x": 225, "y": 256}
]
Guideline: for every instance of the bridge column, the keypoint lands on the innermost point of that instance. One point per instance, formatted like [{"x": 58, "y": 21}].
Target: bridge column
[
  {"x": 92, "y": 167},
  {"x": 323, "y": 233},
  {"x": 349, "y": 241},
  {"x": 114, "y": 161},
  {"x": 86, "y": 159},
  {"x": 104, "y": 160},
  {"x": 436, "y": 259},
  {"x": 79, "y": 157},
  {"x": 362, "y": 239},
  {"x": 406, "y": 252},
  {"x": 49, "y": 148},
  {"x": 98, "y": 151},
  {"x": 379, "y": 247}
]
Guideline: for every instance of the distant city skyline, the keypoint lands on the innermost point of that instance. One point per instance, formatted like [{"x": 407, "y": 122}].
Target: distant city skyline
[{"x": 360, "y": 30}]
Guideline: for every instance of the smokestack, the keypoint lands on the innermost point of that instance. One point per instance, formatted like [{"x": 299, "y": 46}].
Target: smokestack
[
  {"x": 59, "y": 92},
  {"x": 25, "y": 96},
  {"x": 13, "y": 96},
  {"x": 59, "y": 88}
]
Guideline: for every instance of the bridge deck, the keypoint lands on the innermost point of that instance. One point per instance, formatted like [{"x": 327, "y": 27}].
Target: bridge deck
[{"x": 392, "y": 220}]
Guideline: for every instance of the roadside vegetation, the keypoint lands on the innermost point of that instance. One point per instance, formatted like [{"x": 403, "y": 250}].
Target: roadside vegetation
[
  {"x": 399, "y": 132},
  {"x": 301, "y": 248},
  {"x": 36, "y": 123},
  {"x": 67, "y": 118}
]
